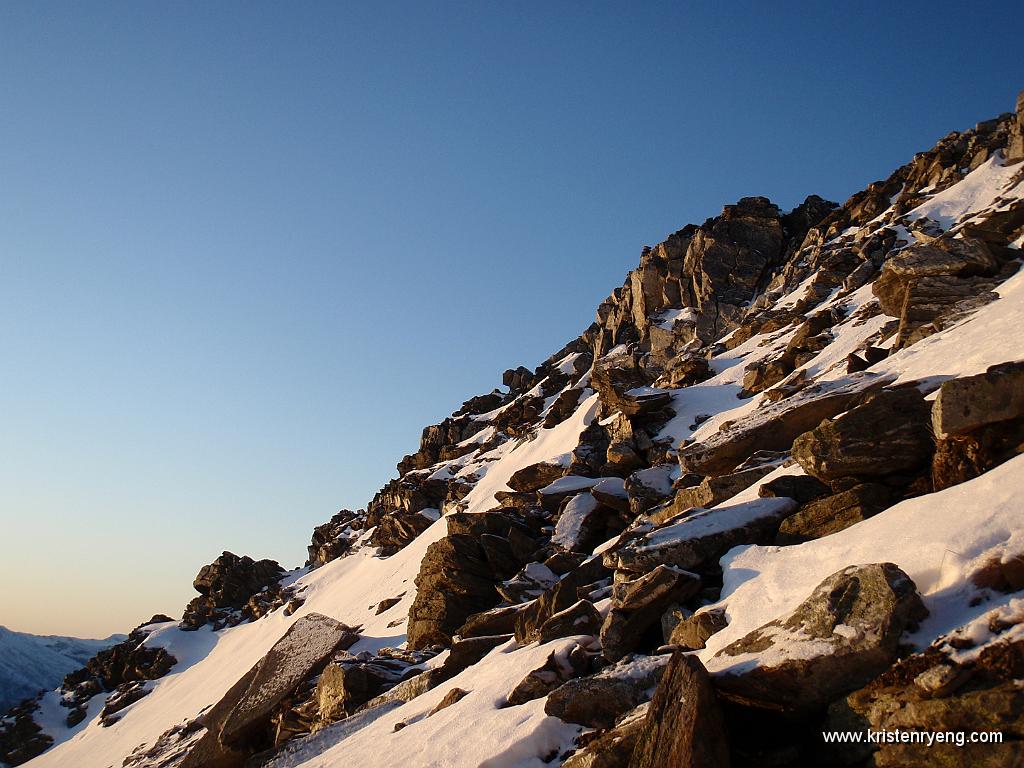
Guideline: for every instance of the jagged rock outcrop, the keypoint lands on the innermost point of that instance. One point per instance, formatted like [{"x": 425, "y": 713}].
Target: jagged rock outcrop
[
  {"x": 226, "y": 587},
  {"x": 621, "y": 533},
  {"x": 459, "y": 574}
]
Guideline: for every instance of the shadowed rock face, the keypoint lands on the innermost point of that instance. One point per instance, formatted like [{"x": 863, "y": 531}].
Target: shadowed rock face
[{"x": 684, "y": 724}]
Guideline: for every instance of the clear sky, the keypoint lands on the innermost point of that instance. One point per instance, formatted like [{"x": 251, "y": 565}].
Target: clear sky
[{"x": 248, "y": 250}]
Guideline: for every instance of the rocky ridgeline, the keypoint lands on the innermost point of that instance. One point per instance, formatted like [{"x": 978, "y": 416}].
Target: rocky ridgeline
[{"x": 618, "y": 542}]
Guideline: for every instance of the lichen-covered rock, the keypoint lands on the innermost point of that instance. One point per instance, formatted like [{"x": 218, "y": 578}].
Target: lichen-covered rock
[
  {"x": 692, "y": 633},
  {"x": 832, "y": 514},
  {"x": 702, "y": 537},
  {"x": 844, "y": 634},
  {"x": 774, "y": 427},
  {"x": 952, "y": 687}
]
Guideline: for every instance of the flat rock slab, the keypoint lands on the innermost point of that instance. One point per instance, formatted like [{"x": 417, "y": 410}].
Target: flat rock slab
[
  {"x": 774, "y": 427},
  {"x": 306, "y": 645},
  {"x": 702, "y": 537}
]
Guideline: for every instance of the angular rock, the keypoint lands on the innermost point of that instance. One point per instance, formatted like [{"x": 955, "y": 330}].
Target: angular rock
[
  {"x": 496, "y": 621},
  {"x": 966, "y": 404},
  {"x": 534, "y": 477},
  {"x": 800, "y": 488},
  {"x": 933, "y": 692},
  {"x": 556, "y": 599},
  {"x": 774, "y": 427},
  {"x": 684, "y": 724},
  {"x": 692, "y": 633},
  {"x": 613, "y": 748},
  {"x": 598, "y": 701},
  {"x": 558, "y": 668},
  {"x": 844, "y": 634},
  {"x": 715, "y": 490},
  {"x": 611, "y": 491},
  {"x": 886, "y": 435},
  {"x": 649, "y": 487},
  {"x": 239, "y": 725},
  {"x": 455, "y": 581},
  {"x": 832, "y": 514},
  {"x": 226, "y": 585},
  {"x": 701, "y": 538},
  {"x": 637, "y": 606},
  {"x": 581, "y": 618},
  {"x": 453, "y": 696}
]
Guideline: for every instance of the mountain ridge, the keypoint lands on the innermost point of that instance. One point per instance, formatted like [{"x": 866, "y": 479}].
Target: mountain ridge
[{"x": 768, "y": 394}]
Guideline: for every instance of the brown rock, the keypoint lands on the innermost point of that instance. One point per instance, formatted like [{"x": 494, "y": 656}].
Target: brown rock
[
  {"x": 638, "y": 605},
  {"x": 840, "y": 637},
  {"x": 684, "y": 724},
  {"x": 834, "y": 513},
  {"x": 692, "y": 633},
  {"x": 888, "y": 434}
]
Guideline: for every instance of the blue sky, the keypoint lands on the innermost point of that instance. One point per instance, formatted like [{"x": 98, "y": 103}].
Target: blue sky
[{"x": 248, "y": 250}]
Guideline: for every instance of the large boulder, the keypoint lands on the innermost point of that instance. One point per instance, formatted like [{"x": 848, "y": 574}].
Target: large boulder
[
  {"x": 844, "y": 634},
  {"x": 924, "y": 282},
  {"x": 702, "y": 537},
  {"x": 966, "y": 404},
  {"x": 240, "y": 724},
  {"x": 978, "y": 423},
  {"x": 684, "y": 725},
  {"x": 773, "y": 427},
  {"x": 455, "y": 581},
  {"x": 459, "y": 573},
  {"x": 226, "y": 585},
  {"x": 887, "y": 435}
]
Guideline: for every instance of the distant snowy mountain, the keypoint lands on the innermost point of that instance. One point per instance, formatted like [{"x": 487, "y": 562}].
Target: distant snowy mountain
[{"x": 33, "y": 663}]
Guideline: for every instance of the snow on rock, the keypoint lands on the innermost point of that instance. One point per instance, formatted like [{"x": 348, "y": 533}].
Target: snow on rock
[
  {"x": 939, "y": 540},
  {"x": 516, "y": 737},
  {"x": 569, "y": 530},
  {"x": 977, "y": 191}
]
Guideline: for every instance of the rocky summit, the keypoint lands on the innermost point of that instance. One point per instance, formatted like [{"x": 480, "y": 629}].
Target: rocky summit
[{"x": 771, "y": 494}]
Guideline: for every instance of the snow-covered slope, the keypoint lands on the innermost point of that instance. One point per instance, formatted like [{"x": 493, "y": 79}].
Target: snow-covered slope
[
  {"x": 690, "y": 392},
  {"x": 30, "y": 664}
]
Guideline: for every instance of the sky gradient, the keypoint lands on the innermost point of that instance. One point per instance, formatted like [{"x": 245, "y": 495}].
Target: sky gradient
[{"x": 249, "y": 250}]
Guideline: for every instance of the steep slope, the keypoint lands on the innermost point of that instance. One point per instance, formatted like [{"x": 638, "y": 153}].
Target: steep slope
[
  {"x": 30, "y": 664},
  {"x": 772, "y": 486}
]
